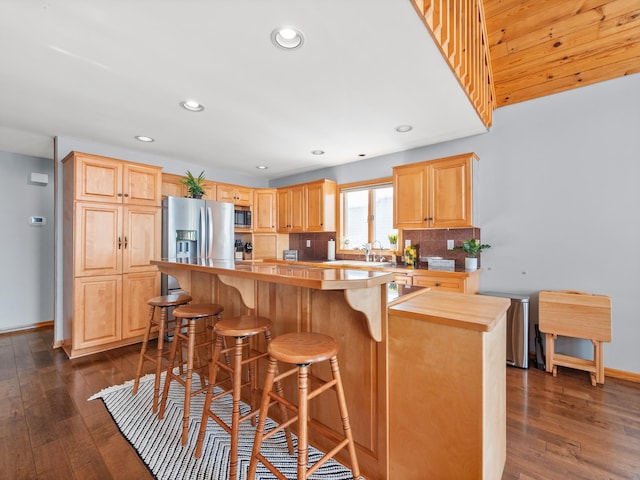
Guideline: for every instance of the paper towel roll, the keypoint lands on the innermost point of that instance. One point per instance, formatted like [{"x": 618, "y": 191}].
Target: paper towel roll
[{"x": 331, "y": 250}]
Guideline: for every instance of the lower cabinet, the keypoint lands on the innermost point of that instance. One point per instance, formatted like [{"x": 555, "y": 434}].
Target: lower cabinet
[
  {"x": 459, "y": 282},
  {"x": 110, "y": 310}
]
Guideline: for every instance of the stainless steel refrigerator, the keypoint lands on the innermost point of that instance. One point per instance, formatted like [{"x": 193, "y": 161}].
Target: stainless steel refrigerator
[{"x": 193, "y": 228}]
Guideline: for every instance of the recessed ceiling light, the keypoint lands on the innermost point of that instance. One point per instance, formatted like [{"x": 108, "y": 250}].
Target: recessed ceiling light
[
  {"x": 404, "y": 128},
  {"x": 317, "y": 152},
  {"x": 262, "y": 167},
  {"x": 192, "y": 106},
  {"x": 142, "y": 138},
  {"x": 287, "y": 38}
]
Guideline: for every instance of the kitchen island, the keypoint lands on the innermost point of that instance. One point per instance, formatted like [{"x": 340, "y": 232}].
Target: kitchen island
[{"x": 351, "y": 306}]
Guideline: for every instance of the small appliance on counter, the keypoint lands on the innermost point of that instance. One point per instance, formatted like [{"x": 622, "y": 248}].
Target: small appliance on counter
[
  {"x": 291, "y": 255},
  {"x": 238, "y": 247},
  {"x": 248, "y": 248}
]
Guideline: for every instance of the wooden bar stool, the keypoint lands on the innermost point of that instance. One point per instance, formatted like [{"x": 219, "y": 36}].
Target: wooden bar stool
[
  {"x": 164, "y": 303},
  {"x": 192, "y": 314},
  {"x": 241, "y": 328},
  {"x": 302, "y": 349}
]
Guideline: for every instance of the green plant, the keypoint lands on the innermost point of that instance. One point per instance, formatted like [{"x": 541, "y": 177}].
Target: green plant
[
  {"x": 393, "y": 238},
  {"x": 195, "y": 185},
  {"x": 472, "y": 247}
]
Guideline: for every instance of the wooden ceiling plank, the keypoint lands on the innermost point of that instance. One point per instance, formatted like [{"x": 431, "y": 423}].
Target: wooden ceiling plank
[
  {"x": 576, "y": 73},
  {"x": 544, "y": 57},
  {"x": 599, "y": 74}
]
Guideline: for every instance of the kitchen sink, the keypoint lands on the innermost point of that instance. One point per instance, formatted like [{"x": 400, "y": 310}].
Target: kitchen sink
[{"x": 358, "y": 263}]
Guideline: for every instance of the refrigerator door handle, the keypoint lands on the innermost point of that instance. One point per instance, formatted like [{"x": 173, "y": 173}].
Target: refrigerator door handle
[
  {"x": 203, "y": 233},
  {"x": 209, "y": 232}
]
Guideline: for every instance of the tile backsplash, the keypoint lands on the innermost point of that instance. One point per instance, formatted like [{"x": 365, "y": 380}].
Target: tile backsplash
[{"x": 429, "y": 242}]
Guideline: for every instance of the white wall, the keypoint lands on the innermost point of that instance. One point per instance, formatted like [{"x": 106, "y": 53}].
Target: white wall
[
  {"x": 559, "y": 201},
  {"x": 26, "y": 283}
]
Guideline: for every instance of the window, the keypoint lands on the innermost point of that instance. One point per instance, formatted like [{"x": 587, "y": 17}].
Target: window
[{"x": 366, "y": 215}]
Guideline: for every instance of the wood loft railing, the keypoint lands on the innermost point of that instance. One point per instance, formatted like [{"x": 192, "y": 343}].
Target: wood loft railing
[{"x": 458, "y": 28}]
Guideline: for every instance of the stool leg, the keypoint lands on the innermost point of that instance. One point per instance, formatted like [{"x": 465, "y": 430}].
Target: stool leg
[
  {"x": 143, "y": 350},
  {"x": 342, "y": 406},
  {"x": 159, "y": 351},
  {"x": 303, "y": 417},
  {"x": 191, "y": 346},
  {"x": 213, "y": 373},
  {"x": 172, "y": 357},
  {"x": 262, "y": 417},
  {"x": 235, "y": 411}
]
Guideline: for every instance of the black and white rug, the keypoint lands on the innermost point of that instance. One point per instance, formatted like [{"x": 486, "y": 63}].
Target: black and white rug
[{"x": 158, "y": 442}]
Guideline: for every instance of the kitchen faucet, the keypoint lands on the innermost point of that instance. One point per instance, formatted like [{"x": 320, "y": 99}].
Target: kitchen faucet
[
  {"x": 366, "y": 249},
  {"x": 374, "y": 246}
]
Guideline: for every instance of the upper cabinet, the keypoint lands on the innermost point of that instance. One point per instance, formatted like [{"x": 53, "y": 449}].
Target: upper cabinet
[
  {"x": 102, "y": 179},
  {"x": 435, "y": 194},
  {"x": 172, "y": 186},
  {"x": 234, "y": 194},
  {"x": 291, "y": 202},
  {"x": 264, "y": 210},
  {"x": 321, "y": 206}
]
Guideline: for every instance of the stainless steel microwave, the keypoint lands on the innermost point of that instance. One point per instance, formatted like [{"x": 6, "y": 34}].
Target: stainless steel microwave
[{"x": 242, "y": 218}]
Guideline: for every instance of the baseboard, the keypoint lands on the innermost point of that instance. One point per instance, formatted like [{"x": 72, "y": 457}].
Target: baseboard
[
  {"x": 45, "y": 324},
  {"x": 622, "y": 375}
]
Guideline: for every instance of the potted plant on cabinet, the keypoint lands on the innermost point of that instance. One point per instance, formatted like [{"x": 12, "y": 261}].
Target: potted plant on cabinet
[
  {"x": 472, "y": 248},
  {"x": 195, "y": 185}
]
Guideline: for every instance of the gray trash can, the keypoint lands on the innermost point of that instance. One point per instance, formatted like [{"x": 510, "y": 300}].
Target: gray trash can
[{"x": 517, "y": 328}]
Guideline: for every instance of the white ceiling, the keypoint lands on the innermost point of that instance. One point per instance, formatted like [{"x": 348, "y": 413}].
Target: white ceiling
[{"x": 106, "y": 71}]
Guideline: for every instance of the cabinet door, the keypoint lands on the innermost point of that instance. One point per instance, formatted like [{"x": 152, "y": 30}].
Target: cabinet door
[
  {"x": 321, "y": 206},
  {"x": 234, "y": 194},
  {"x": 142, "y": 185},
  {"x": 244, "y": 196},
  {"x": 98, "y": 239},
  {"x": 141, "y": 238},
  {"x": 172, "y": 186},
  {"x": 97, "y": 311},
  {"x": 97, "y": 179},
  {"x": 137, "y": 289},
  {"x": 410, "y": 197},
  {"x": 283, "y": 202},
  {"x": 298, "y": 209},
  {"x": 264, "y": 210},
  {"x": 450, "y": 193}
]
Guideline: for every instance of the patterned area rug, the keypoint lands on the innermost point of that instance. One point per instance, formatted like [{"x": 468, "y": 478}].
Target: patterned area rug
[{"x": 158, "y": 441}]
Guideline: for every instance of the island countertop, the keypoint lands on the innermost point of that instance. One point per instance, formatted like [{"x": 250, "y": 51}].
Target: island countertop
[{"x": 315, "y": 277}]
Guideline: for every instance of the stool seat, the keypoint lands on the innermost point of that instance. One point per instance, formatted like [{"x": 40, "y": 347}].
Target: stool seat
[
  {"x": 242, "y": 326},
  {"x": 172, "y": 300},
  {"x": 164, "y": 303},
  {"x": 198, "y": 310},
  {"x": 303, "y": 347}
]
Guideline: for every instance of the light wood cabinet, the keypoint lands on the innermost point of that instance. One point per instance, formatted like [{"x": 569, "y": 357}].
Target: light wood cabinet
[
  {"x": 101, "y": 179},
  {"x": 172, "y": 186},
  {"x": 291, "y": 209},
  {"x": 109, "y": 242},
  {"x": 234, "y": 194},
  {"x": 321, "y": 206},
  {"x": 308, "y": 207},
  {"x": 435, "y": 194},
  {"x": 459, "y": 282},
  {"x": 269, "y": 246},
  {"x": 264, "y": 210}
]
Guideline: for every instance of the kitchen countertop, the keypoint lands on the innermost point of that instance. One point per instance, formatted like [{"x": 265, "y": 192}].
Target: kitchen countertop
[{"x": 397, "y": 268}]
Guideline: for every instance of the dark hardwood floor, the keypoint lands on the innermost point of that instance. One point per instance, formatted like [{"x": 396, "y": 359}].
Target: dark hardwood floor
[{"x": 557, "y": 428}]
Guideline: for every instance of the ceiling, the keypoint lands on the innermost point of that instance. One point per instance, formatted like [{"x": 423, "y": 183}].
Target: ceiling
[
  {"x": 108, "y": 71},
  {"x": 105, "y": 72},
  {"x": 548, "y": 46}
]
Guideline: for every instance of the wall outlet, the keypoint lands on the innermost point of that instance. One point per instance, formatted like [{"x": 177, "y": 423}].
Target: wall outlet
[
  {"x": 308, "y": 243},
  {"x": 449, "y": 244}
]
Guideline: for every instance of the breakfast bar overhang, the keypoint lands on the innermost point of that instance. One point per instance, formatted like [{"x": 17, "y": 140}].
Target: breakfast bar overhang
[{"x": 351, "y": 306}]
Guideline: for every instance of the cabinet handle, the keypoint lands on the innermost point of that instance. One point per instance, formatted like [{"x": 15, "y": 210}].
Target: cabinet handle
[
  {"x": 119, "y": 243},
  {"x": 119, "y": 194},
  {"x": 126, "y": 194},
  {"x": 126, "y": 242},
  {"x": 437, "y": 284}
]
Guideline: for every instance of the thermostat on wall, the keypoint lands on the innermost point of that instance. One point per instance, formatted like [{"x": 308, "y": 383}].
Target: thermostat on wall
[{"x": 38, "y": 221}]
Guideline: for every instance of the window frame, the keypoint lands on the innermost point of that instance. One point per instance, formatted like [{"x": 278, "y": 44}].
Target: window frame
[{"x": 369, "y": 185}]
